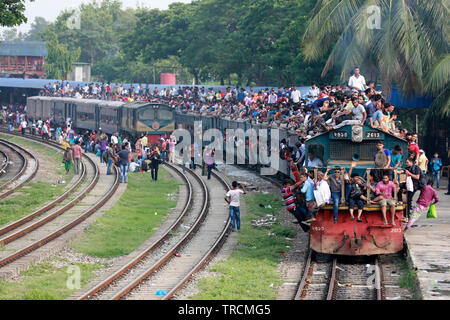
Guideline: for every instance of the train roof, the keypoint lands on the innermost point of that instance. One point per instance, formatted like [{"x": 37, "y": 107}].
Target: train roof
[
  {"x": 104, "y": 103},
  {"x": 114, "y": 104}
]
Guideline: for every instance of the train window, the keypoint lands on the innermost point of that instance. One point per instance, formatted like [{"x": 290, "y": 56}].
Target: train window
[
  {"x": 164, "y": 114},
  {"x": 83, "y": 116},
  {"x": 105, "y": 119},
  {"x": 147, "y": 114},
  {"x": 59, "y": 110},
  {"x": 316, "y": 153}
]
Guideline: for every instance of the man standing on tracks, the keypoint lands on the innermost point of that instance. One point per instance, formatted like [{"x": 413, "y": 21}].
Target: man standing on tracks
[
  {"x": 103, "y": 144},
  {"x": 76, "y": 152},
  {"x": 123, "y": 161},
  {"x": 155, "y": 158},
  {"x": 233, "y": 199}
]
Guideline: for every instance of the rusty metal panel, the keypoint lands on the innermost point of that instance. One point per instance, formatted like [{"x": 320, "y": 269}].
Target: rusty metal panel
[{"x": 373, "y": 237}]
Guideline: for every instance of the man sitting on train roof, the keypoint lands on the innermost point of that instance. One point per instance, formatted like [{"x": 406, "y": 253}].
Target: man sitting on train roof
[{"x": 358, "y": 113}]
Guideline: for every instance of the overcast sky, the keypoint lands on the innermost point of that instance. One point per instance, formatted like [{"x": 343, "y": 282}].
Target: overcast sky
[{"x": 50, "y": 9}]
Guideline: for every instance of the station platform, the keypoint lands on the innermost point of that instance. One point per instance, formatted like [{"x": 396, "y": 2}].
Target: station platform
[{"x": 429, "y": 249}]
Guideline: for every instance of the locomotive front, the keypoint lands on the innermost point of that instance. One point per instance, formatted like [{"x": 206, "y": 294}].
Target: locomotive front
[{"x": 339, "y": 148}]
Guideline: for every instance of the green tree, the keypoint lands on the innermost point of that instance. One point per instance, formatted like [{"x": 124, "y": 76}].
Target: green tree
[
  {"x": 101, "y": 26},
  {"x": 37, "y": 27},
  {"x": 12, "y": 12},
  {"x": 12, "y": 34},
  {"x": 60, "y": 59},
  {"x": 401, "y": 39}
]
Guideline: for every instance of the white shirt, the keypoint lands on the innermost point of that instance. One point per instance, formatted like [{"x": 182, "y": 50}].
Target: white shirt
[
  {"x": 324, "y": 188},
  {"x": 133, "y": 166},
  {"x": 359, "y": 83},
  {"x": 114, "y": 140},
  {"x": 314, "y": 93},
  {"x": 234, "y": 196},
  {"x": 296, "y": 96}
]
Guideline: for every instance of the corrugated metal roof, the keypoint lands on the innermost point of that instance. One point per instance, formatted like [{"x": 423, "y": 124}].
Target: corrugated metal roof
[{"x": 23, "y": 49}]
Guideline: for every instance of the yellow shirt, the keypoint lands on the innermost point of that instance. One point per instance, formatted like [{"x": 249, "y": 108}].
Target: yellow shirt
[
  {"x": 423, "y": 162},
  {"x": 144, "y": 141}
]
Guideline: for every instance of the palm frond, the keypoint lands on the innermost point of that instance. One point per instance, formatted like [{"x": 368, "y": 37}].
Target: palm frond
[{"x": 439, "y": 77}]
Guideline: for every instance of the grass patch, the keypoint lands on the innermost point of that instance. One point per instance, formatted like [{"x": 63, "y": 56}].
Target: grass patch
[
  {"x": 46, "y": 282},
  {"x": 250, "y": 273},
  {"x": 132, "y": 219},
  {"x": 34, "y": 194},
  {"x": 408, "y": 279},
  {"x": 31, "y": 198}
]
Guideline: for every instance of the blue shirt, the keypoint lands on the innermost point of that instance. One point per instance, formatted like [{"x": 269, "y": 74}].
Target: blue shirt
[
  {"x": 319, "y": 104},
  {"x": 396, "y": 159},
  {"x": 308, "y": 191},
  {"x": 436, "y": 163},
  {"x": 371, "y": 108}
]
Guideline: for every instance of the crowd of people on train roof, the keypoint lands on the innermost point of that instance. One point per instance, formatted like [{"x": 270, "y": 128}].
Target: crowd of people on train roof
[{"x": 323, "y": 108}]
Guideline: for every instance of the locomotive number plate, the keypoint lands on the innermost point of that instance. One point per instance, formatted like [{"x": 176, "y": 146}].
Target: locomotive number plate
[
  {"x": 373, "y": 135},
  {"x": 340, "y": 135}
]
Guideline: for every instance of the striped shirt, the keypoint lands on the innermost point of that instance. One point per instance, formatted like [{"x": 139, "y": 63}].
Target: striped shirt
[{"x": 288, "y": 197}]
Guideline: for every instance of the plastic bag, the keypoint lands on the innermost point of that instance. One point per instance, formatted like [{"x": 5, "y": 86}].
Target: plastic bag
[
  {"x": 320, "y": 199},
  {"x": 432, "y": 214},
  {"x": 409, "y": 184}
]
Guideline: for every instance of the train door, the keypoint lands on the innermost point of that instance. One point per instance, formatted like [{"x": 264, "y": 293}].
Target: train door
[
  {"x": 97, "y": 116},
  {"x": 74, "y": 115}
]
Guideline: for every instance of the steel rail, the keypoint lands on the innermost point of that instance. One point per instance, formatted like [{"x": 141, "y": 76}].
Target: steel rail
[
  {"x": 5, "y": 163},
  {"x": 210, "y": 252},
  {"x": 303, "y": 282},
  {"x": 379, "y": 279},
  {"x": 35, "y": 245},
  {"x": 333, "y": 279},
  {"x": 116, "y": 275},
  {"x": 20, "y": 233},
  {"x": 14, "y": 225},
  {"x": 134, "y": 283},
  {"x": 22, "y": 170}
]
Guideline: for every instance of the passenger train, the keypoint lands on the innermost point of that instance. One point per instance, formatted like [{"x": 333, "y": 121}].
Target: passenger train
[
  {"x": 335, "y": 148},
  {"x": 134, "y": 119}
]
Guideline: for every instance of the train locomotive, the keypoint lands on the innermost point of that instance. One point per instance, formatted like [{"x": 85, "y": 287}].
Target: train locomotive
[
  {"x": 134, "y": 119},
  {"x": 348, "y": 237}
]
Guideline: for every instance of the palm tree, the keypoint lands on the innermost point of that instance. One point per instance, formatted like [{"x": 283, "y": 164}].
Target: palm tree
[
  {"x": 438, "y": 84},
  {"x": 407, "y": 41}
]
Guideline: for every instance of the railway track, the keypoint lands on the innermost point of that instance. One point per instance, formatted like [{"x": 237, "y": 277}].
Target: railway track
[
  {"x": 341, "y": 279},
  {"x": 4, "y": 163},
  {"x": 71, "y": 209},
  {"x": 157, "y": 265},
  {"x": 23, "y": 169}
]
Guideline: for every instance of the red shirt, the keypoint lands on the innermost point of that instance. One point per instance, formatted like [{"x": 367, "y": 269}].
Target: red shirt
[
  {"x": 76, "y": 151},
  {"x": 385, "y": 189},
  {"x": 414, "y": 148}
]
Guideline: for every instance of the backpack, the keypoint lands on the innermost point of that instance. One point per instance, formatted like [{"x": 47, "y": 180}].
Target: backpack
[
  {"x": 105, "y": 155},
  {"x": 422, "y": 180}
]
